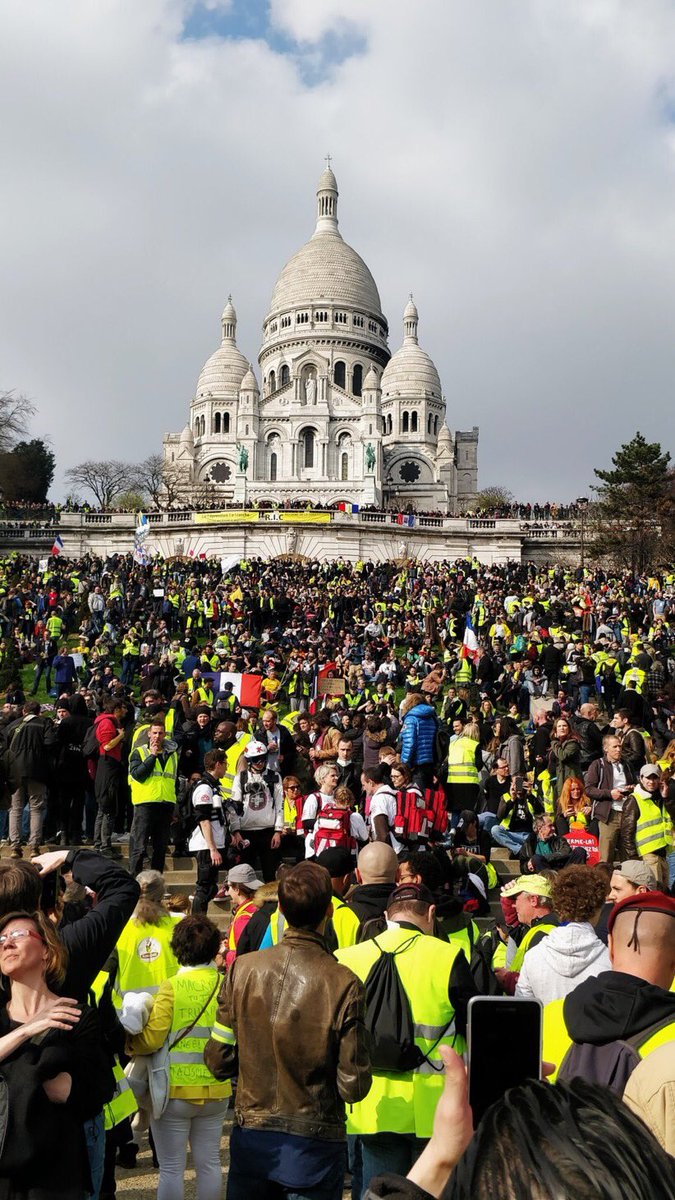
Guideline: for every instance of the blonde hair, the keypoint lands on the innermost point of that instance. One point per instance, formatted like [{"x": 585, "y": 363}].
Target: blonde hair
[{"x": 150, "y": 909}]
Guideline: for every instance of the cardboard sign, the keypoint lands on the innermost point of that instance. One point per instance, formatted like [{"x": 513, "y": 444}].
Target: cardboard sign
[{"x": 585, "y": 841}]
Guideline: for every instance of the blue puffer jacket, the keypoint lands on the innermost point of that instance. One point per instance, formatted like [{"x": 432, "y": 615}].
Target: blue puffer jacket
[{"x": 418, "y": 735}]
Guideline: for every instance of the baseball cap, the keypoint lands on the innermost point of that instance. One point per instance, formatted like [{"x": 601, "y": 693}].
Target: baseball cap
[
  {"x": 337, "y": 860},
  {"x": 244, "y": 874},
  {"x": 534, "y": 885},
  {"x": 410, "y": 891},
  {"x": 637, "y": 872},
  {"x": 650, "y": 771},
  {"x": 642, "y": 902}
]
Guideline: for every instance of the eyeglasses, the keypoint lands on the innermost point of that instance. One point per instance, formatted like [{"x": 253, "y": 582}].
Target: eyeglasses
[
  {"x": 17, "y": 935},
  {"x": 292, "y": 787}
]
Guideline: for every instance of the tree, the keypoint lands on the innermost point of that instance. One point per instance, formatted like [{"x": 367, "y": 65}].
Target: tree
[
  {"x": 15, "y": 413},
  {"x": 494, "y": 497},
  {"x": 159, "y": 479},
  {"x": 132, "y": 500},
  {"x": 27, "y": 471},
  {"x": 106, "y": 480},
  {"x": 633, "y": 506}
]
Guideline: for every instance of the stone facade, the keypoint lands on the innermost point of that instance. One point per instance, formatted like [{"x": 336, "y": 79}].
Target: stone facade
[{"x": 338, "y": 418}]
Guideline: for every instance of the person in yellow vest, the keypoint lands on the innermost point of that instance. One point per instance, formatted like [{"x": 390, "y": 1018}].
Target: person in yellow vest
[
  {"x": 646, "y": 825},
  {"x": 182, "y": 1016},
  {"x": 143, "y": 958},
  {"x": 609, "y": 1023},
  {"x": 403, "y": 1103},
  {"x": 344, "y": 924},
  {"x": 153, "y": 774},
  {"x": 464, "y": 764},
  {"x": 528, "y": 908},
  {"x": 119, "y": 1144},
  {"x": 242, "y": 885}
]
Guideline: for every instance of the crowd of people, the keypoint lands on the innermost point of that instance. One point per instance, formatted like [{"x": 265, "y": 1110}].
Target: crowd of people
[{"x": 409, "y": 785}]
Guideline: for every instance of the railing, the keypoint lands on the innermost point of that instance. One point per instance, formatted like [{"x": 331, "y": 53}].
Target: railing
[
  {"x": 98, "y": 518},
  {"x": 177, "y": 517},
  {"x": 430, "y": 522},
  {"x": 375, "y": 518},
  {"x": 480, "y": 523}
]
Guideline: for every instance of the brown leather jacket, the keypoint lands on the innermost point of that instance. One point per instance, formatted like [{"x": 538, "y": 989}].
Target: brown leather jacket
[{"x": 297, "y": 1019}]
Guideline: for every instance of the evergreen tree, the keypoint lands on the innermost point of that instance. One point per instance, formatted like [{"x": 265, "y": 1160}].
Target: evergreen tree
[
  {"x": 27, "y": 471},
  {"x": 632, "y": 515}
]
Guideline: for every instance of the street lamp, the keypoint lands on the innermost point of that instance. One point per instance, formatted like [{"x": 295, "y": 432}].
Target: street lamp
[{"x": 582, "y": 505}]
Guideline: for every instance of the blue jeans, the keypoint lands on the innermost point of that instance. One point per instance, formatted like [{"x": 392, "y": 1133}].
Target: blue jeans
[
  {"x": 670, "y": 859},
  {"x": 487, "y": 820},
  {"x": 511, "y": 841},
  {"x": 354, "y": 1159},
  {"x": 394, "y": 1152},
  {"x": 94, "y": 1135},
  {"x": 245, "y": 1187}
]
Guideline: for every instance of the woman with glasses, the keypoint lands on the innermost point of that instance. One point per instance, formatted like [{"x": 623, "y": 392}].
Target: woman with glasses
[
  {"x": 54, "y": 1071},
  {"x": 292, "y": 839}
]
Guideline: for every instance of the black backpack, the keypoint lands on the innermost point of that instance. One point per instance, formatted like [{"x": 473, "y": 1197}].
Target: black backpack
[
  {"x": 90, "y": 746},
  {"x": 388, "y": 1017},
  {"x": 482, "y": 952}
]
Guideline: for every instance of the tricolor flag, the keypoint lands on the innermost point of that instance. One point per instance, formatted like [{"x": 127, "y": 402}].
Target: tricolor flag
[
  {"x": 406, "y": 519},
  {"x": 245, "y": 687},
  {"x": 470, "y": 643},
  {"x": 57, "y": 548},
  {"x": 346, "y": 507}
]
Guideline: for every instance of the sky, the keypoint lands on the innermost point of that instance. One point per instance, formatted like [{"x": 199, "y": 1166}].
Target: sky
[{"x": 509, "y": 162}]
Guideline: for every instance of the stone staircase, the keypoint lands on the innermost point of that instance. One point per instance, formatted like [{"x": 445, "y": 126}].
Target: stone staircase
[{"x": 180, "y": 874}]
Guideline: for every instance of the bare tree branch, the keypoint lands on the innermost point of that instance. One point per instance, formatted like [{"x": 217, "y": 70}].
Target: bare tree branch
[
  {"x": 15, "y": 413},
  {"x": 106, "y": 480}
]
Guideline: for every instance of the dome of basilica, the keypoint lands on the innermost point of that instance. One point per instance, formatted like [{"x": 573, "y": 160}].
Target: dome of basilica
[
  {"x": 326, "y": 268},
  {"x": 410, "y": 371},
  {"x": 223, "y": 372}
]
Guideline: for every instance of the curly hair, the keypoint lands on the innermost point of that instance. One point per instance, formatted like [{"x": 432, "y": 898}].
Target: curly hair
[{"x": 578, "y": 893}]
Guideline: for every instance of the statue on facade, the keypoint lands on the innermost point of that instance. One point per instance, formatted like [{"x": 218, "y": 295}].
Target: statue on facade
[
  {"x": 310, "y": 390},
  {"x": 371, "y": 457},
  {"x": 243, "y": 459}
]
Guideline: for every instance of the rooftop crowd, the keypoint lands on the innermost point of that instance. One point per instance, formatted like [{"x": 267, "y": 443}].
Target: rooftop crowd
[{"x": 458, "y": 773}]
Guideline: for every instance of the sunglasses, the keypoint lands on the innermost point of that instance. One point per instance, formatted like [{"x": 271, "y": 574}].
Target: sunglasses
[{"x": 17, "y": 936}]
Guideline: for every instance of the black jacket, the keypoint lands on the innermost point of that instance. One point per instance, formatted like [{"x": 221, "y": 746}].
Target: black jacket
[
  {"x": 29, "y": 750},
  {"x": 591, "y": 741},
  {"x": 43, "y": 1143},
  {"x": 560, "y": 854},
  {"x": 369, "y": 900},
  {"x": 599, "y": 779},
  {"x": 604, "y": 1013},
  {"x": 91, "y": 940}
]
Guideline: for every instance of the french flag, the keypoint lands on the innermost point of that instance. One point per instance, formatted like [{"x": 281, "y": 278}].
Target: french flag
[
  {"x": 57, "y": 548},
  {"x": 346, "y": 507},
  {"x": 247, "y": 688},
  {"x": 470, "y": 643}
]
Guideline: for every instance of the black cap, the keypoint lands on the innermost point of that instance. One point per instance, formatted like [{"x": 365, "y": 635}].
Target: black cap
[
  {"x": 410, "y": 891},
  {"x": 337, "y": 861}
]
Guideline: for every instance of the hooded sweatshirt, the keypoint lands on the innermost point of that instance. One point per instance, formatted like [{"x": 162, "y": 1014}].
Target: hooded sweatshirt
[
  {"x": 601, "y": 1015},
  {"x": 561, "y": 961}
]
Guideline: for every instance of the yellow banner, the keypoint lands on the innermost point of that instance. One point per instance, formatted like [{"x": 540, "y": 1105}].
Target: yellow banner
[
  {"x": 305, "y": 518},
  {"x": 229, "y": 516}
]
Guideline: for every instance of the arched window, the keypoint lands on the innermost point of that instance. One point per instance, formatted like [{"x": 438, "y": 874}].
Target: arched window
[
  {"x": 357, "y": 380},
  {"x": 307, "y": 443},
  {"x": 285, "y": 376},
  {"x": 429, "y": 423},
  {"x": 339, "y": 374},
  {"x": 273, "y": 382},
  {"x": 344, "y": 466},
  {"x": 435, "y": 424},
  {"x": 226, "y": 422},
  {"x": 413, "y": 422},
  {"x": 273, "y": 467},
  {"x": 404, "y": 422},
  {"x": 216, "y": 423}
]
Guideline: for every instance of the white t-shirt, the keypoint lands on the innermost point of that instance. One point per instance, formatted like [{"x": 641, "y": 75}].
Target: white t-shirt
[
  {"x": 383, "y": 804},
  {"x": 263, "y": 809},
  {"x": 206, "y": 799}
]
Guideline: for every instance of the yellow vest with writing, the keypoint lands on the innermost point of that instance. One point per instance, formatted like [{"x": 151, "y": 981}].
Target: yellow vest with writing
[
  {"x": 191, "y": 988},
  {"x": 145, "y": 958}
]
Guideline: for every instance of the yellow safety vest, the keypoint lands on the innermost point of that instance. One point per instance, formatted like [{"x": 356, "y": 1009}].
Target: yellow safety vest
[
  {"x": 191, "y": 988},
  {"x": 145, "y": 958},
  {"x": 232, "y": 756},
  {"x": 519, "y": 958},
  {"x": 123, "y": 1103},
  {"x": 345, "y": 923},
  {"x": 557, "y": 1041},
  {"x": 158, "y": 788},
  {"x": 544, "y": 784},
  {"x": 406, "y": 1102},
  {"x": 462, "y": 761},
  {"x": 654, "y": 830}
]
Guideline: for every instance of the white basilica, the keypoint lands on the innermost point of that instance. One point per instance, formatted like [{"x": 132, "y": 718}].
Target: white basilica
[{"x": 336, "y": 416}]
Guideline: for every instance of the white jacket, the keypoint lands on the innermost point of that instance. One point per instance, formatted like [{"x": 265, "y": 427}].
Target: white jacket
[{"x": 561, "y": 961}]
